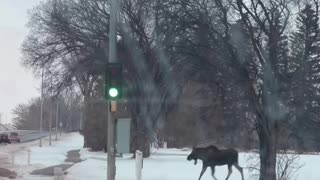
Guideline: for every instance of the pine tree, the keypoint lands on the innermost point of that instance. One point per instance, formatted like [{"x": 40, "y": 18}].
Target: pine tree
[{"x": 305, "y": 68}]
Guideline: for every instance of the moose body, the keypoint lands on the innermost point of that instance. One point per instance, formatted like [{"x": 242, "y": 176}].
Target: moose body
[{"x": 211, "y": 156}]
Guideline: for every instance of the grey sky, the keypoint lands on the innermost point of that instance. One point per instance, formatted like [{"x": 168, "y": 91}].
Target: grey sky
[{"x": 17, "y": 84}]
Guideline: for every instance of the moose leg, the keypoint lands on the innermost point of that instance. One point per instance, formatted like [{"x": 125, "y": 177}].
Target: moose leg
[
  {"x": 240, "y": 169},
  {"x": 229, "y": 171},
  {"x": 212, "y": 172},
  {"x": 204, "y": 168}
]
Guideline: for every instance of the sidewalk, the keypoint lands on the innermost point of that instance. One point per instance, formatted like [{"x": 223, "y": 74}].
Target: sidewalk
[
  {"x": 45, "y": 157},
  {"x": 72, "y": 158},
  {"x": 6, "y": 152}
]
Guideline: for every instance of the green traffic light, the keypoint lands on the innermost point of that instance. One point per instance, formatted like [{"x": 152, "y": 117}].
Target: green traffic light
[{"x": 113, "y": 92}]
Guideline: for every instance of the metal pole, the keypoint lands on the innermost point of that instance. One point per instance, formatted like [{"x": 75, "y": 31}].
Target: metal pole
[
  {"x": 12, "y": 158},
  {"x": 80, "y": 123},
  {"x": 111, "y": 168},
  {"x": 50, "y": 106},
  {"x": 57, "y": 118},
  {"x": 29, "y": 156},
  {"x": 139, "y": 164},
  {"x": 41, "y": 108}
]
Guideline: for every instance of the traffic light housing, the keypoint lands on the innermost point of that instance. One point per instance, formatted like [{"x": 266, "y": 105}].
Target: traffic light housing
[{"x": 113, "y": 82}]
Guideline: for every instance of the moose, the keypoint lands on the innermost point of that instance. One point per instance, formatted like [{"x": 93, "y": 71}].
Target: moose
[{"x": 211, "y": 156}]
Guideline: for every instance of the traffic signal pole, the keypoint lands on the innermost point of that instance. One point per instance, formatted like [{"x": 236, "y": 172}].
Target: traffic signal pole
[{"x": 111, "y": 166}]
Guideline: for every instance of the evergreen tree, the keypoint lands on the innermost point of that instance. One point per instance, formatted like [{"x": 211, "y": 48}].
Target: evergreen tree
[{"x": 305, "y": 80}]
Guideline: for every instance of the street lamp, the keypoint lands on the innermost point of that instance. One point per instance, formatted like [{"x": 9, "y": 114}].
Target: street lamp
[
  {"x": 50, "y": 108},
  {"x": 57, "y": 117},
  {"x": 41, "y": 107}
]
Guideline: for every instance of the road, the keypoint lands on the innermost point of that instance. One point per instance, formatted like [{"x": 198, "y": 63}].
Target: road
[
  {"x": 29, "y": 135},
  {"x": 7, "y": 151}
]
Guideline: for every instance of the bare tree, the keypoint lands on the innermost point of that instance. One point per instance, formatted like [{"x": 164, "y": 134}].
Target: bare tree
[
  {"x": 266, "y": 22},
  {"x": 288, "y": 166},
  {"x": 26, "y": 116},
  {"x": 262, "y": 26},
  {"x": 150, "y": 81},
  {"x": 70, "y": 39}
]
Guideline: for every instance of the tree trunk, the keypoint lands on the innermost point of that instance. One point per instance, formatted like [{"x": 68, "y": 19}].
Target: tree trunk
[
  {"x": 268, "y": 154},
  {"x": 267, "y": 133},
  {"x": 143, "y": 145},
  {"x": 140, "y": 139},
  {"x": 84, "y": 120}
]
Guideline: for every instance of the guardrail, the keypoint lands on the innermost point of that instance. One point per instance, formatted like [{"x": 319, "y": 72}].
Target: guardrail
[
  {"x": 29, "y": 135},
  {"x": 22, "y": 132}
]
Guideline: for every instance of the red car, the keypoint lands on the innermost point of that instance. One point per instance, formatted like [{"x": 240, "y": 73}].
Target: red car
[{"x": 14, "y": 137}]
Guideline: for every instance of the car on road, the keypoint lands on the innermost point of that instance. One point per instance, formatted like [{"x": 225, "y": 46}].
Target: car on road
[
  {"x": 4, "y": 138},
  {"x": 14, "y": 137}
]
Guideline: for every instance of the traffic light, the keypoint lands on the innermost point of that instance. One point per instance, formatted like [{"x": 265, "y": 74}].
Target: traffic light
[{"x": 113, "y": 81}]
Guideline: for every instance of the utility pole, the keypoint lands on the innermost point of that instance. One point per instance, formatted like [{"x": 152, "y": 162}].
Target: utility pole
[
  {"x": 80, "y": 123},
  {"x": 41, "y": 107},
  {"x": 111, "y": 166},
  {"x": 50, "y": 106},
  {"x": 57, "y": 117}
]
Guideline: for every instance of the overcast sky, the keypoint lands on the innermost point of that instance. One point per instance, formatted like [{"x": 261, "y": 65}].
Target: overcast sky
[{"x": 17, "y": 84}]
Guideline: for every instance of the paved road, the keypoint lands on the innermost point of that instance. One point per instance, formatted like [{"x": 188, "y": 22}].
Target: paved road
[
  {"x": 33, "y": 136},
  {"x": 27, "y": 135}
]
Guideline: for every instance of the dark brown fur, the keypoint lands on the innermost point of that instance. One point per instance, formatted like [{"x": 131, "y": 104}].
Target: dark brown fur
[{"x": 211, "y": 156}]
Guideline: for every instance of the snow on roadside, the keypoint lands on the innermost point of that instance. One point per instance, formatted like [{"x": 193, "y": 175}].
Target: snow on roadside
[
  {"x": 6, "y": 151},
  {"x": 45, "y": 156},
  {"x": 55, "y": 154},
  {"x": 170, "y": 164},
  {"x": 164, "y": 164},
  {"x": 310, "y": 169}
]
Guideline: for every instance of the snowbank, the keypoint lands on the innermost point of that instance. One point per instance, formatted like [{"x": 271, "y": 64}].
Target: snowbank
[
  {"x": 171, "y": 164},
  {"x": 164, "y": 164},
  {"x": 45, "y": 156}
]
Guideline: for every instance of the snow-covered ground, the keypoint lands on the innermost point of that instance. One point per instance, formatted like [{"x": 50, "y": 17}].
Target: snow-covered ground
[
  {"x": 169, "y": 164},
  {"x": 46, "y": 156}
]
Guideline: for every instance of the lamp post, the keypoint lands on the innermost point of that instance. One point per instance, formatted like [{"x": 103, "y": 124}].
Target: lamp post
[
  {"x": 50, "y": 114},
  {"x": 41, "y": 108},
  {"x": 57, "y": 118}
]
